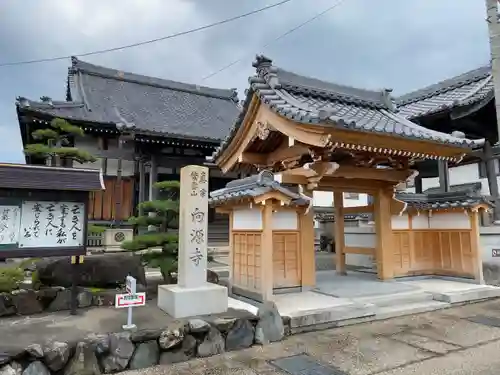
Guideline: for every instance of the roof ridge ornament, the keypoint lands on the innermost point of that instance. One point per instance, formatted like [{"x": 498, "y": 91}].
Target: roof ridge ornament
[{"x": 388, "y": 99}]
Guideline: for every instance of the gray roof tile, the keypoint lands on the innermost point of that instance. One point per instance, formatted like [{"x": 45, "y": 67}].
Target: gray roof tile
[
  {"x": 251, "y": 187},
  {"x": 308, "y": 100},
  {"x": 435, "y": 201},
  {"x": 465, "y": 89},
  {"x": 152, "y": 105}
]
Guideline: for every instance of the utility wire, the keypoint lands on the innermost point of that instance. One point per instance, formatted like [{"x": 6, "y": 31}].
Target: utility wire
[
  {"x": 276, "y": 39},
  {"x": 171, "y": 36}
]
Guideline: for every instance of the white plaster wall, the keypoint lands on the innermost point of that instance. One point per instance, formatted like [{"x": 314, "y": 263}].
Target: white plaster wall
[
  {"x": 489, "y": 240},
  {"x": 400, "y": 222},
  {"x": 452, "y": 220},
  {"x": 247, "y": 219},
  {"x": 459, "y": 175},
  {"x": 420, "y": 221},
  {"x": 285, "y": 220},
  {"x": 90, "y": 144},
  {"x": 360, "y": 237},
  {"x": 325, "y": 199}
]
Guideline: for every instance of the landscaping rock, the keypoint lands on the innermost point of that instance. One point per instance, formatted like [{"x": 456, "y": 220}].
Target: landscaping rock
[
  {"x": 9, "y": 354},
  {"x": 61, "y": 302},
  {"x": 121, "y": 350},
  {"x": 7, "y": 370},
  {"x": 84, "y": 299},
  {"x": 240, "y": 336},
  {"x": 84, "y": 361},
  {"x": 47, "y": 295},
  {"x": 56, "y": 355},
  {"x": 104, "y": 298},
  {"x": 26, "y": 302},
  {"x": 100, "y": 343},
  {"x": 270, "y": 325},
  {"x": 224, "y": 324},
  {"x": 6, "y": 306},
  {"x": 35, "y": 351},
  {"x": 212, "y": 344},
  {"x": 18, "y": 369},
  {"x": 98, "y": 271},
  {"x": 171, "y": 336},
  {"x": 145, "y": 335},
  {"x": 198, "y": 326},
  {"x": 182, "y": 354},
  {"x": 36, "y": 368},
  {"x": 146, "y": 354}
]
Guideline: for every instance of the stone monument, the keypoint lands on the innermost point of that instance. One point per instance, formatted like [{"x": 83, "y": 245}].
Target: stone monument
[{"x": 193, "y": 295}]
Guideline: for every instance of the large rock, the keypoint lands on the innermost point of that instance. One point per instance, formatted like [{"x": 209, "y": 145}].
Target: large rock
[
  {"x": 146, "y": 354},
  {"x": 6, "y": 306},
  {"x": 240, "y": 335},
  {"x": 270, "y": 326},
  {"x": 61, "y": 302},
  {"x": 11, "y": 369},
  {"x": 198, "y": 326},
  {"x": 84, "y": 361},
  {"x": 98, "y": 271},
  {"x": 172, "y": 336},
  {"x": 212, "y": 344},
  {"x": 182, "y": 354},
  {"x": 35, "y": 351},
  {"x": 56, "y": 354},
  {"x": 36, "y": 368},
  {"x": 145, "y": 335},
  {"x": 26, "y": 302},
  {"x": 121, "y": 350}
]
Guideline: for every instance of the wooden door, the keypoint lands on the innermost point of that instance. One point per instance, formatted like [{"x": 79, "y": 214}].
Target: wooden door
[
  {"x": 246, "y": 260},
  {"x": 286, "y": 260}
]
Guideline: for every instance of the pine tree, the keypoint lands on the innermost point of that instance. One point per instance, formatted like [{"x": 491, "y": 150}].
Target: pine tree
[
  {"x": 53, "y": 144},
  {"x": 159, "y": 245}
]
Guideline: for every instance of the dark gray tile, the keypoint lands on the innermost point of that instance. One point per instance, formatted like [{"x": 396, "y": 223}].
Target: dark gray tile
[
  {"x": 303, "y": 364},
  {"x": 485, "y": 320}
]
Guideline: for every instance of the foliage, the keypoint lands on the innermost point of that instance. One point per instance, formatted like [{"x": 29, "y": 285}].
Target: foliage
[
  {"x": 158, "y": 247},
  {"x": 10, "y": 278},
  {"x": 54, "y": 143},
  {"x": 92, "y": 228}
]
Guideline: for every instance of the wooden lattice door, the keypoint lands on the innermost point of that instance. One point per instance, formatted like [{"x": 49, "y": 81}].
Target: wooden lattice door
[
  {"x": 246, "y": 260},
  {"x": 286, "y": 260}
]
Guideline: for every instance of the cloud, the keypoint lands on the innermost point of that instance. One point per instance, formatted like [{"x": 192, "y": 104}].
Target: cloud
[{"x": 386, "y": 43}]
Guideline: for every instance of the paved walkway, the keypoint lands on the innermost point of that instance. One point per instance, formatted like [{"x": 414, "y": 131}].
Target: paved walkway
[{"x": 442, "y": 342}]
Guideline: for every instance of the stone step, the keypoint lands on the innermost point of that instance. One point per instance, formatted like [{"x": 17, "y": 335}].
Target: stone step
[
  {"x": 397, "y": 299},
  {"x": 388, "y": 312},
  {"x": 468, "y": 295}
]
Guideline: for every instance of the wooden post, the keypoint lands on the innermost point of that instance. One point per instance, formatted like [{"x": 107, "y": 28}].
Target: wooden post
[
  {"x": 476, "y": 247},
  {"x": 338, "y": 202},
  {"x": 444, "y": 175},
  {"x": 307, "y": 251},
  {"x": 118, "y": 186},
  {"x": 418, "y": 185},
  {"x": 384, "y": 248},
  {"x": 491, "y": 174},
  {"x": 266, "y": 252},
  {"x": 142, "y": 184},
  {"x": 153, "y": 177}
]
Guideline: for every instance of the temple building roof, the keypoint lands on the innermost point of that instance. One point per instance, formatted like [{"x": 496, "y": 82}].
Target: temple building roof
[
  {"x": 470, "y": 88},
  {"x": 252, "y": 187},
  {"x": 308, "y": 100},
  {"x": 154, "y": 106}
]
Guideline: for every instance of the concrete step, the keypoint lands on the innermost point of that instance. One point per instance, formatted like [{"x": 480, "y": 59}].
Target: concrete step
[
  {"x": 397, "y": 299},
  {"x": 409, "y": 309},
  {"x": 467, "y": 295}
]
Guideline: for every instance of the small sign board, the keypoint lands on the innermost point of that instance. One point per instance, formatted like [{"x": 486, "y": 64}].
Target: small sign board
[
  {"x": 495, "y": 253},
  {"x": 130, "y": 285},
  {"x": 130, "y": 300}
]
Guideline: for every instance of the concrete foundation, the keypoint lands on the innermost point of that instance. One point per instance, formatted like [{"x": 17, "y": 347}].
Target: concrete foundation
[{"x": 181, "y": 302}]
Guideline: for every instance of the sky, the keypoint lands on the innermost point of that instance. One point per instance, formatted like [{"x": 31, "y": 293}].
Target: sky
[{"x": 375, "y": 44}]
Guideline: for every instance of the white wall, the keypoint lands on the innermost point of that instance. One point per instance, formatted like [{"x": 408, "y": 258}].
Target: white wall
[{"x": 360, "y": 237}]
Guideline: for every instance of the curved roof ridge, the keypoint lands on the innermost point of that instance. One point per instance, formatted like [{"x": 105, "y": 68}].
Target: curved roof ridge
[
  {"x": 445, "y": 85},
  {"x": 79, "y": 66}
]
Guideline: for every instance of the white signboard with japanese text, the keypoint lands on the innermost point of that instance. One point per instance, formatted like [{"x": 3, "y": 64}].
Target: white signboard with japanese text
[
  {"x": 52, "y": 224},
  {"x": 130, "y": 300},
  {"x": 10, "y": 222}
]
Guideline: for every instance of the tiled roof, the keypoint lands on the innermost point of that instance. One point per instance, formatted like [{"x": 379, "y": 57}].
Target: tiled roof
[
  {"x": 34, "y": 177},
  {"x": 463, "y": 90},
  {"x": 311, "y": 101},
  {"x": 251, "y": 187},
  {"x": 471, "y": 187},
  {"x": 152, "y": 105},
  {"x": 436, "y": 201}
]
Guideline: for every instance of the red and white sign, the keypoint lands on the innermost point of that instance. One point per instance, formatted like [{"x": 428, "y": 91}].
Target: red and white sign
[{"x": 130, "y": 300}]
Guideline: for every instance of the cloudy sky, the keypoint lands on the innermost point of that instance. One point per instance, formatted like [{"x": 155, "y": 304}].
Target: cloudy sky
[{"x": 367, "y": 43}]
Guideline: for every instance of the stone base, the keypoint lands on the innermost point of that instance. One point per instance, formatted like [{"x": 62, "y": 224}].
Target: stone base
[{"x": 186, "y": 302}]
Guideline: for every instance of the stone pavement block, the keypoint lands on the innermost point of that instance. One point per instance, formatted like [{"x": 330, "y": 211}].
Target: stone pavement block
[{"x": 425, "y": 343}]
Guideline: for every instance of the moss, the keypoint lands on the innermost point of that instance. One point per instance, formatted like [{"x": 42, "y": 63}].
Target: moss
[
  {"x": 10, "y": 278},
  {"x": 96, "y": 290}
]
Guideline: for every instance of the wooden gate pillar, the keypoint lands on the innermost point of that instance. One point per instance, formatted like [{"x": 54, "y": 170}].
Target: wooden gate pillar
[
  {"x": 307, "y": 251},
  {"x": 339, "y": 226},
  {"x": 266, "y": 252},
  {"x": 384, "y": 246}
]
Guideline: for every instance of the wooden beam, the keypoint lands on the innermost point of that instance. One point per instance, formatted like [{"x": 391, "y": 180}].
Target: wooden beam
[
  {"x": 252, "y": 158},
  {"x": 286, "y": 153},
  {"x": 385, "y": 249},
  {"x": 338, "y": 201},
  {"x": 359, "y": 250}
]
